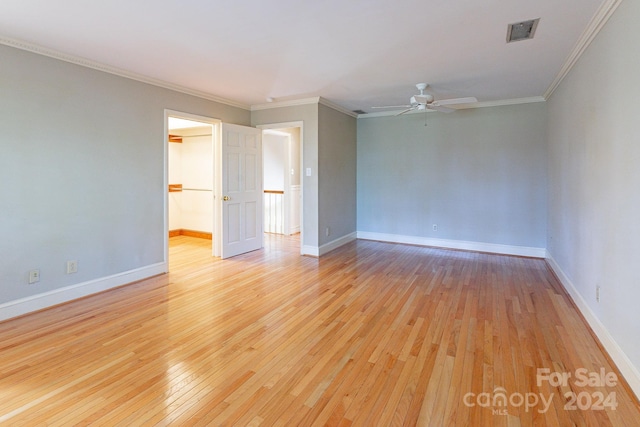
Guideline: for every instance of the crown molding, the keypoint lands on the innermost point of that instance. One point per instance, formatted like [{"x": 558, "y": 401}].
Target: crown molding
[
  {"x": 515, "y": 101},
  {"x": 84, "y": 62},
  {"x": 598, "y": 21}
]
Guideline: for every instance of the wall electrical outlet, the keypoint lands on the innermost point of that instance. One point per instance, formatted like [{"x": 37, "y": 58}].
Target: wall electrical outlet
[
  {"x": 327, "y": 231},
  {"x": 34, "y": 276},
  {"x": 72, "y": 267},
  {"x": 597, "y": 293},
  {"x": 435, "y": 227}
]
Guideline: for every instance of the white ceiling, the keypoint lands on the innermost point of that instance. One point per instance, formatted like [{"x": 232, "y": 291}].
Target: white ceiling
[{"x": 354, "y": 53}]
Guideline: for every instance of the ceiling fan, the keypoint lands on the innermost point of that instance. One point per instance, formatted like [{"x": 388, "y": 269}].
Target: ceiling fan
[{"x": 426, "y": 101}]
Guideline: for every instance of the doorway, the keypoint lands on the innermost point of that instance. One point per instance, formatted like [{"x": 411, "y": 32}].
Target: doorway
[
  {"x": 190, "y": 176},
  {"x": 203, "y": 201},
  {"x": 282, "y": 160},
  {"x": 214, "y": 179}
]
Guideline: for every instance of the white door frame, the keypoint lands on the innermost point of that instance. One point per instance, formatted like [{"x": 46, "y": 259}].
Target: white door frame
[
  {"x": 297, "y": 124},
  {"x": 286, "y": 227},
  {"x": 214, "y": 135}
]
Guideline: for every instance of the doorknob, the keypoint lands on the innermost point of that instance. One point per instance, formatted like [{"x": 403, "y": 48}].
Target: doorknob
[{"x": 225, "y": 198}]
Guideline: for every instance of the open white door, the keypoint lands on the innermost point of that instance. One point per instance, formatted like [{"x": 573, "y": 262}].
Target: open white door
[{"x": 241, "y": 190}]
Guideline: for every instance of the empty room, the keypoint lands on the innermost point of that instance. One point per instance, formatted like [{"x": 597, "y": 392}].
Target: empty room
[{"x": 409, "y": 213}]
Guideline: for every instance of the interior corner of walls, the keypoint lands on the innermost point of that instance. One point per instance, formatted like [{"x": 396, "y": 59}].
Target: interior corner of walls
[
  {"x": 598, "y": 21},
  {"x": 629, "y": 371},
  {"x": 44, "y": 300}
]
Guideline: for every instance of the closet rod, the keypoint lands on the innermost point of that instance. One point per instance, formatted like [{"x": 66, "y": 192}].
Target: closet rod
[
  {"x": 195, "y": 189},
  {"x": 193, "y": 136}
]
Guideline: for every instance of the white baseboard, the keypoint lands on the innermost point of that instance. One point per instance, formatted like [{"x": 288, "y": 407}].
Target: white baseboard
[
  {"x": 455, "y": 244},
  {"x": 310, "y": 250},
  {"x": 334, "y": 244},
  {"x": 626, "y": 367},
  {"x": 294, "y": 230},
  {"x": 58, "y": 296},
  {"x": 328, "y": 247}
]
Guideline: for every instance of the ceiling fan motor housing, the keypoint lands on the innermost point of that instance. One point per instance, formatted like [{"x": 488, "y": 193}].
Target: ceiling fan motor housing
[{"x": 421, "y": 99}]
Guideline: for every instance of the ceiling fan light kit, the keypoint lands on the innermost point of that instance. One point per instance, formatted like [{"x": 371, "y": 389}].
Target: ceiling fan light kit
[{"x": 426, "y": 101}]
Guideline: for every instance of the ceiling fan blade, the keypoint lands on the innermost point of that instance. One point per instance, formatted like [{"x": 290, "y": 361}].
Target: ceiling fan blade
[
  {"x": 405, "y": 111},
  {"x": 467, "y": 100},
  {"x": 440, "y": 108},
  {"x": 393, "y": 106}
]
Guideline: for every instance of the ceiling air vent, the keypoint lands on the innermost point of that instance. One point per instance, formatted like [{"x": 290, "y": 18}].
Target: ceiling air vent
[{"x": 522, "y": 30}]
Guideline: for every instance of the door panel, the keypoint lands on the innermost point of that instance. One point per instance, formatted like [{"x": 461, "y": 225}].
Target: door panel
[
  {"x": 241, "y": 189},
  {"x": 233, "y": 223},
  {"x": 251, "y": 211},
  {"x": 232, "y": 176},
  {"x": 252, "y": 181}
]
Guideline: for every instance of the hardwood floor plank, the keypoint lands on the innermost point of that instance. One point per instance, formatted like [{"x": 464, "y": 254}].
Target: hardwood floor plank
[{"x": 370, "y": 334}]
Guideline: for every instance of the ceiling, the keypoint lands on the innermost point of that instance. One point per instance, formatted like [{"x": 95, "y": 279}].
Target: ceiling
[{"x": 355, "y": 53}]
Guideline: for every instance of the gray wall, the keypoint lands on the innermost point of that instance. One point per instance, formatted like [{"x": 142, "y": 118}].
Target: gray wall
[
  {"x": 81, "y": 168},
  {"x": 479, "y": 174},
  {"x": 337, "y": 170},
  {"x": 594, "y": 179},
  {"x": 308, "y": 114}
]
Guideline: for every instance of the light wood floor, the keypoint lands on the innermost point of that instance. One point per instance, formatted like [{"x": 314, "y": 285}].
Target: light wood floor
[{"x": 370, "y": 334}]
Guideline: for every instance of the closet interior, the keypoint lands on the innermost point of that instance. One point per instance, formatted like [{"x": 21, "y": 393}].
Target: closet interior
[{"x": 190, "y": 161}]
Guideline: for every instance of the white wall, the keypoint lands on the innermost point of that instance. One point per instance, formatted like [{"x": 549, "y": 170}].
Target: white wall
[
  {"x": 197, "y": 182},
  {"x": 274, "y": 152},
  {"x": 479, "y": 175},
  {"x": 594, "y": 182},
  {"x": 82, "y": 169},
  {"x": 191, "y": 164}
]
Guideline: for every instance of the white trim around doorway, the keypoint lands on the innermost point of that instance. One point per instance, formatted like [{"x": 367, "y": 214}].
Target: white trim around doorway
[
  {"x": 296, "y": 124},
  {"x": 196, "y": 118}
]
